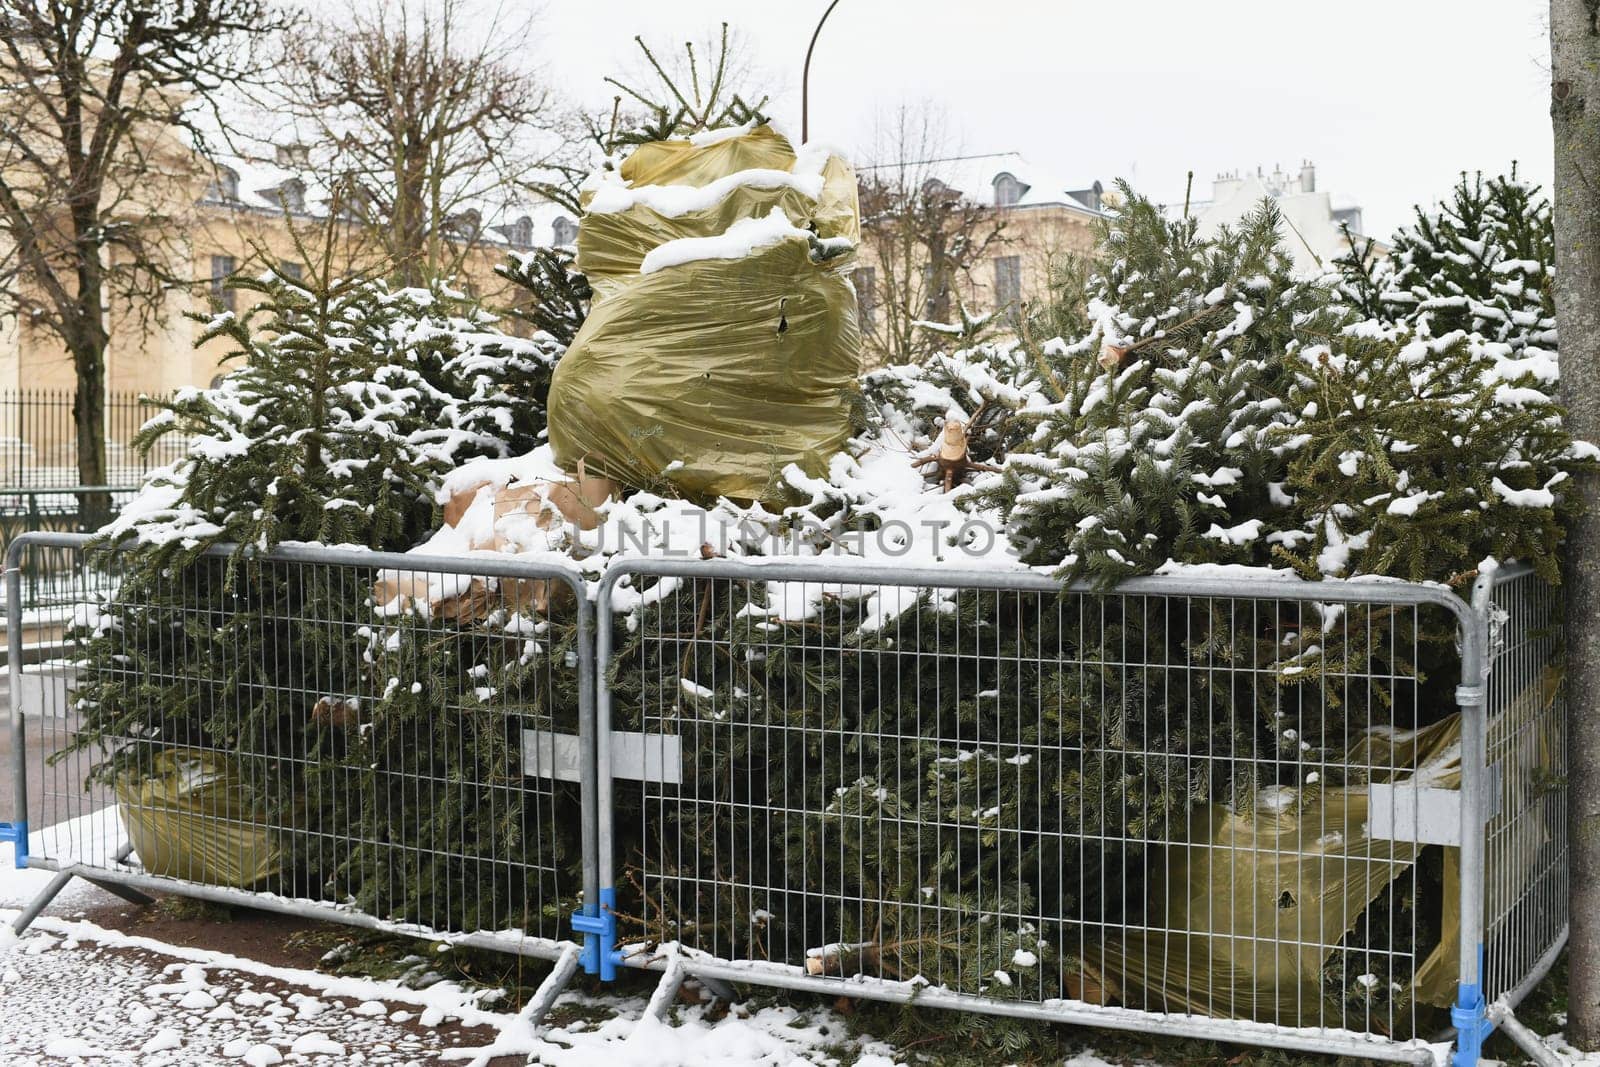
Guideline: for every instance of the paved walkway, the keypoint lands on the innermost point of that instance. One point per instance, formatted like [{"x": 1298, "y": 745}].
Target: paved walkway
[{"x": 72, "y": 1000}]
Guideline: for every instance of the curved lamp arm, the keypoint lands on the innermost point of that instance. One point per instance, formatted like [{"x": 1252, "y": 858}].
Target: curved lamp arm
[{"x": 805, "y": 76}]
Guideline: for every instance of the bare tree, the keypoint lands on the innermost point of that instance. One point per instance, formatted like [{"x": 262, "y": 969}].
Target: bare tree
[
  {"x": 99, "y": 96},
  {"x": 432, "y": 115},
  {"x": 922, "y": 236},
  {"x": 1575, "y": 117}
]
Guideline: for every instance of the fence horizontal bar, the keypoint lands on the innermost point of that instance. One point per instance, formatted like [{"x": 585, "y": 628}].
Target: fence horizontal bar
[
  {"x": 849, "y": 571},
  {"x": 1348, "y": 1043},
  {"x": 509, "y": 941}
]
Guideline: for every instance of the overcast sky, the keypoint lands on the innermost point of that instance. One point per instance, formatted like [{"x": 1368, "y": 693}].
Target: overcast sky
[{"x": 1390, "y": 98}]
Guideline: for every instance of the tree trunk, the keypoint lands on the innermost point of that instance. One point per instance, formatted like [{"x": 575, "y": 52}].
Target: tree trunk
[
  {"x": 89, "y": 414},
  {"x": 1575, "y": 79},
  {"x": 87, "y": 342}
]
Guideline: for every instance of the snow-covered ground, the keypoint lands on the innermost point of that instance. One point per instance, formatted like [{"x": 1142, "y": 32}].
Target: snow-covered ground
[{"x": 76, "y": 991}]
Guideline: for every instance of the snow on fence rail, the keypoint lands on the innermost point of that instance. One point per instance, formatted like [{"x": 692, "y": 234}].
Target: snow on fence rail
[{"x": 1253, "y": 810}]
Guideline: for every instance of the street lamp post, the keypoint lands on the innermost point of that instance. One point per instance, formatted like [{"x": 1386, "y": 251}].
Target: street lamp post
[{"x": 805, "y": 76}]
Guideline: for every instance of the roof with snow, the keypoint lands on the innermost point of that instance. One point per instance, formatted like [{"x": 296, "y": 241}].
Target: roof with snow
[
  {"x": 1001, "y": 179},
  {"x": 272, "y": 185}
]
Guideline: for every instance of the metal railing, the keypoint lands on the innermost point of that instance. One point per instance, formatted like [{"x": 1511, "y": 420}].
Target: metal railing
[
  {"x": 1321, "y": 816},
  {"x": 39, "y": 438}
]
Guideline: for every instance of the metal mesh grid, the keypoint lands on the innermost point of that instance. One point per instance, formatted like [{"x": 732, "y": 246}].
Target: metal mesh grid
[
  {"x": 322, "y": 731},
  {"x": 1155, "y": 802},
  {"x": 1526, "y": 871}
]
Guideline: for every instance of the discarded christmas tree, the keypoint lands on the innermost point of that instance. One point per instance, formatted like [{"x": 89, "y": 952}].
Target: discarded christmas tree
[
  {"x": 352, "y": 404},
  {"x": 1478, "y": 262}
]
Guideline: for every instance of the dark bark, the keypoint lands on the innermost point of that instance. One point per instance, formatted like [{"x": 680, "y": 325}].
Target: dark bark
[
  {"x": 1575, "y": 81},
  {"x": 87, "y": 342}
]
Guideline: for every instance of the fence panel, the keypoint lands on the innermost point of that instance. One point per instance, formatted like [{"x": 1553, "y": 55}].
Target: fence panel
[
  {"x": 1243, "y": 810},
  {"x": 1180, "y": 801},
  {"x": 1525, "y": 864},
  {"x": 384, "y": 740}
]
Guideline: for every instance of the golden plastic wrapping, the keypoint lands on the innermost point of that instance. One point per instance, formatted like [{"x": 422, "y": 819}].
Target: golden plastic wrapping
[
  {"x": 1244, "y": 913},
  {"x": 187, "y": 818},
  {"x": 713, "y": 374}
]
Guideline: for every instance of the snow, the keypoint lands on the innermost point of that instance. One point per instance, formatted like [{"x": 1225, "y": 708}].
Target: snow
[
  {"x": 78, "y": 989},
  {"x": 1528, "y": 498},
  {"x": 85, "y": 1001},
  {"x": 1274, "y": 799},
  {"x": 1241, "y": 534},
  {"x": 1407, "y": 506},
  {"x": 614, "y": 196},
  {"x": 742, "y": 239}
]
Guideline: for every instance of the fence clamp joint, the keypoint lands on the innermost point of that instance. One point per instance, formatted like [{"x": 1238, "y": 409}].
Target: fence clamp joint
[
  {"x": 1471, "y": 696},
  {"x": 17, "y": 834},
  {"x": 1470, "y": 1015},
  {"x": 599, "y": 930}
]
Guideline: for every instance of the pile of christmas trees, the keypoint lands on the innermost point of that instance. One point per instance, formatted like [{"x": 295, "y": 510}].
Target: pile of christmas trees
[
  {"x": 983, "y": 778},
  {"x": 981, "y": 789},
  {"x": 366, "y": 743}
]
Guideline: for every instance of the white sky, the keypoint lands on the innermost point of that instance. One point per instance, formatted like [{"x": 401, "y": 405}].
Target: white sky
[{"x": 1390, "y": 98}]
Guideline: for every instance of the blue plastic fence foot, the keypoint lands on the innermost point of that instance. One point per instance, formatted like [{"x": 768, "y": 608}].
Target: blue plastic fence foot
[
  {"x": 17, "y": 834},
  {"x": 1471, "y": 1018},
  {"x": 598, "y": 925}
]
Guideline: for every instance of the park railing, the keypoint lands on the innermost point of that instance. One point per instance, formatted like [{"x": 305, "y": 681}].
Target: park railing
[
  {"x": 1323, "y": 816},
  {"x": 39, "y": 439}
]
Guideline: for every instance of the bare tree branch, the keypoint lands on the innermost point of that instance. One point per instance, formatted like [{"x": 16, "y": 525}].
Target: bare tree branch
[
  {"x": 432, "y": 115},
  {"x": 923, "y": 236},
  {"x": 97, "y": 99}
]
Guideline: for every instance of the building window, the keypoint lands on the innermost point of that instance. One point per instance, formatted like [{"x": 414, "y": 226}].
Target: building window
[
  {"x": 291, "y": 270},
  {"x": 1007, "y": 190},
  {"x": 565, "y": 231},
  {"x": 465, "y": 225},
  {"x": 292, "y": 195},
  {"x": 225, "y": 187},
  {"x": 1349, "y": 216},
  {"x": 1007, "y": 282},
  {"x": 520, "y": 233},
  {"x": 866, "y": 283},
  {"x": 222, "y": 268},
  {"x": 291, "y": 155}
]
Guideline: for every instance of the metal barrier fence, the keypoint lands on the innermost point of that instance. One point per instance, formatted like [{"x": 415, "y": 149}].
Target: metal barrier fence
[
  {"x": 394, "y": 742},
  {"x": 1321, "y": 816},
  {"x": 51, "y": 511}
]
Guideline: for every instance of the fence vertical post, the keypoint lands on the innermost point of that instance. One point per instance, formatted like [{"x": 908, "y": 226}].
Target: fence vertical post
[
  {"x": 588, "y": 789},
  {"x": 16, "y": 831},
  {"x": 1470, "y": 1014},
  {"x": 598, "y": 922}
]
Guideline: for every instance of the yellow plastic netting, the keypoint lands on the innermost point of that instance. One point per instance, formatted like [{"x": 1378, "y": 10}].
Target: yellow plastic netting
[
  {"x": 722, "y": 344},
  {"x": 187, "y": 817},
  {"x": 1245, "y": 912}
]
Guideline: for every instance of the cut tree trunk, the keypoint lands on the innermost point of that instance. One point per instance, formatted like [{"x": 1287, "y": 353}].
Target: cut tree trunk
[{"x": 1575, "y": 120}]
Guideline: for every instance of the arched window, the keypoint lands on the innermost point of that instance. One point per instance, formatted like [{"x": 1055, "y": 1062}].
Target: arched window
[
  {"x": 292, "y": 195},
  {"x": 565, "y": 231},
  {"x": 1007, "y": 190},
  {"x": 520, "y": 233},
  {"x": 226, "y": 185}
]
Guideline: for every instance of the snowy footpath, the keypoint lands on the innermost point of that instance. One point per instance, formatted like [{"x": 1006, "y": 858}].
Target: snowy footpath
[{"x": 77, "y": 991}]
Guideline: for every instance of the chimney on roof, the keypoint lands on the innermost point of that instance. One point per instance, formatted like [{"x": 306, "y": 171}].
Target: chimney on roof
[
  {"x": 1308, "y": 177},
  {"x": 1226, "y": 185}
]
